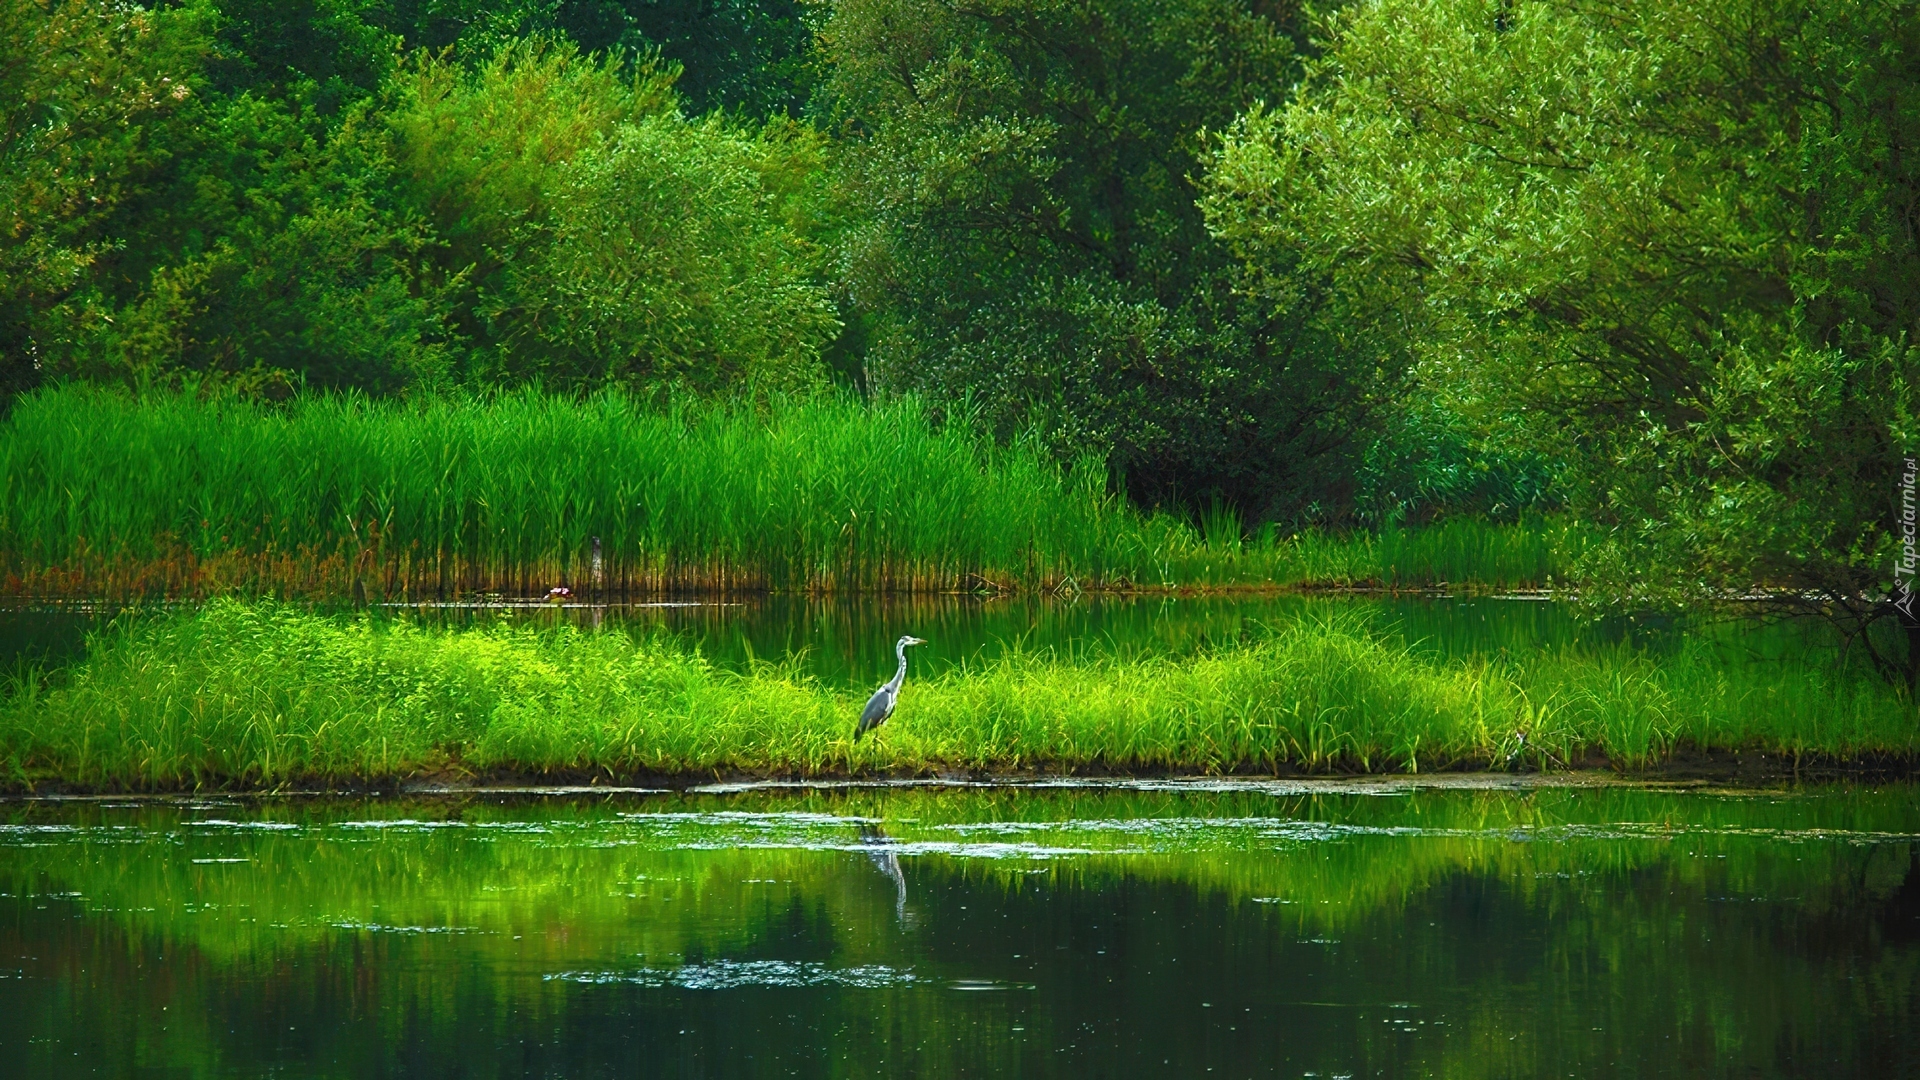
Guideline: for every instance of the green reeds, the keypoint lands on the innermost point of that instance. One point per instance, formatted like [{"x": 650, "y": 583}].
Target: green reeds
[
  {"x": 108, "y": 494},
  {"x": 268, "y": 694}
]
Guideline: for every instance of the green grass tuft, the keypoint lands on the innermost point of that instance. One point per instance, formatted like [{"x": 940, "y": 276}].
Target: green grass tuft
[{"x": 238, "y": 694}]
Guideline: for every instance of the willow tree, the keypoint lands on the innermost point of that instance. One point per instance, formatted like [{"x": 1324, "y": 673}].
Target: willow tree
[{"x": 1674, "y": 243}]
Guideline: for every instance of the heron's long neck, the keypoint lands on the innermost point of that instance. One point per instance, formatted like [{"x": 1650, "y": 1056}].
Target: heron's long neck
[{"x": 900, "y": 675}]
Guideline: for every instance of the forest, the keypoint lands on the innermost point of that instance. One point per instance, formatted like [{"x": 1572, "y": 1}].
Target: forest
[{"x": 1650, "y": 273}]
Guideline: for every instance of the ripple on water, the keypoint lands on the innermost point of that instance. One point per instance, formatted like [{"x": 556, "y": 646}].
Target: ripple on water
[
  {"x": 384, "y": 928},
  {"x": 737, "y": 974},
  {"x": 752, "y": 819}
]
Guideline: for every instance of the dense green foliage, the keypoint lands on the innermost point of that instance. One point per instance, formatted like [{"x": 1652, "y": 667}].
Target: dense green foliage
[
  {"x": 1035, "y": 243},
  {"x": 275, "y": 196},
  {"x": 1378, "y": 262},
  {"x": 1673, "y": 245},
  {"x": 264, "y": 694},
  {"x": 597, "y": 237},
  {"x": 749, "y": 57},
  {"x": 108, "y": 492},
  {"x": 82, "y": 92}
]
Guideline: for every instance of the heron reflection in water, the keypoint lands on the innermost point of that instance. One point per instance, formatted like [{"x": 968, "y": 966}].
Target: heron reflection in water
[
  {"x": 881, "y": 849},
  {"x": 880, "y": 705}
]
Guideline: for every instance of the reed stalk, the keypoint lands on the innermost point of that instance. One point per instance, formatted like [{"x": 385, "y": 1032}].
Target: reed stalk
[{"x": 108, "y": 494}]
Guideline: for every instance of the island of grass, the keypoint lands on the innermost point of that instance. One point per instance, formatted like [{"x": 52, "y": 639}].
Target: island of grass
[{"x": 238, "y": 695}]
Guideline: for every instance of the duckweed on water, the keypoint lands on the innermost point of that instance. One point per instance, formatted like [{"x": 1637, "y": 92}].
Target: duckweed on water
[{"x": 242, "y": 694}]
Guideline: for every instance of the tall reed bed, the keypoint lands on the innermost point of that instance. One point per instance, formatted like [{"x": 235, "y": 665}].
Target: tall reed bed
[
  {"x": 267, "y": 694},
  {"x": 1533, "y": 552},
  {"x": 110, "y": 494}
]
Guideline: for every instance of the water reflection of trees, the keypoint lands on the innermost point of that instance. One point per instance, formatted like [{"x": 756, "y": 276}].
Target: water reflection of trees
[{"x": 1746, "y": 923}]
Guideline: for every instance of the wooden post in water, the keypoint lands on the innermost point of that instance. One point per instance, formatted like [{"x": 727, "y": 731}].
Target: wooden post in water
[{"x": 599, "y": 570}]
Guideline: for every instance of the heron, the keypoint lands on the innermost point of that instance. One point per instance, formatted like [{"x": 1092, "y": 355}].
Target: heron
[{"x": 880, "y": 705}]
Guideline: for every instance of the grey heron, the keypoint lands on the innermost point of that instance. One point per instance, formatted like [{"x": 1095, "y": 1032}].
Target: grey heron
[{"x": 880, "y": 705}]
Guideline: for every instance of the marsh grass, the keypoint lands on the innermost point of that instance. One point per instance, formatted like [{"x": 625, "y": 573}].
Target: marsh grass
[
  {"x": 265, "y": 694},
  {"x": 113, "y": 495}
]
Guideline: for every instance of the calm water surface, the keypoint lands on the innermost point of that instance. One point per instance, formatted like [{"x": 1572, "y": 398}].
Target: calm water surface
[
  {"x": 1280, "y": 930},
  {"x": 848, "y": 641}
]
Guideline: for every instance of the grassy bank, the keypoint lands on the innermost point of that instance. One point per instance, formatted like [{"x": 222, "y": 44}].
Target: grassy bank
[
  {"x": 236, "y": 694},
  {"x": 110, "y": 495}
]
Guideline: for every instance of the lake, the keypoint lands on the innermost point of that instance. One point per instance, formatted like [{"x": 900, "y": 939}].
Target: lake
[
  {"x": 848, "y": 641},
  {"x": 1469, "y": 927}
]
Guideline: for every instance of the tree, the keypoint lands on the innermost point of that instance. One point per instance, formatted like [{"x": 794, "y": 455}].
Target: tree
[
  {"x": 1034, "y": 244},
  {"x": 84, "y": 85},
  {"x": 600, "y": 237},
  {"x": 241, "y": 227},
  {"x": 1674, "y": 244}
]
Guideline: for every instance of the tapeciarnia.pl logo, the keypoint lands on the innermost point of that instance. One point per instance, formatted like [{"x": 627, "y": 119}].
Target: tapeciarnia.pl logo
[{"x": 1903, "y": 567}]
